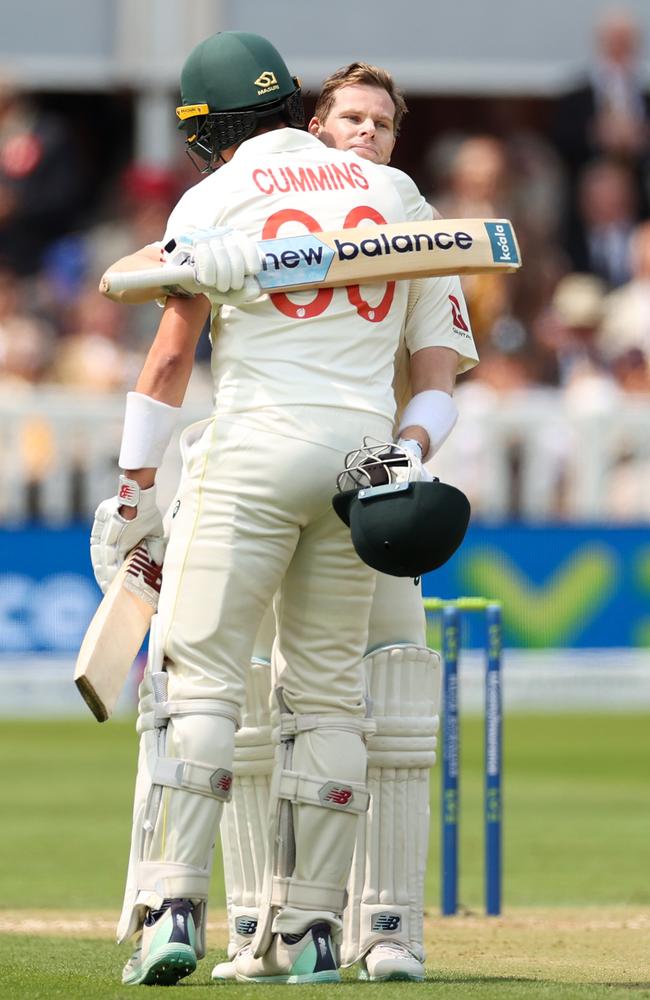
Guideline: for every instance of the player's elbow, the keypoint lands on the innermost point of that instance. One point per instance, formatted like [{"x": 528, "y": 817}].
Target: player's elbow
[
  {"x": 170, "y": 362},
  {"x": 168, "y": 372}
]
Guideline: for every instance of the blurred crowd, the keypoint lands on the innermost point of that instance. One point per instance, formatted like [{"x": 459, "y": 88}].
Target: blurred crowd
[
  {"x": 579, "y": 198},
  {"x": 576, "y": 318}
]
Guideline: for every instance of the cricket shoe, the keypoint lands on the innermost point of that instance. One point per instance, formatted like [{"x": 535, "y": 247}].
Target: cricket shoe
[
  {"x": 390, "y": 960},
  {"x": 166, "y": 950},
  {"x": 294, "y": 959},
  {"x": 224, "y": 972}
]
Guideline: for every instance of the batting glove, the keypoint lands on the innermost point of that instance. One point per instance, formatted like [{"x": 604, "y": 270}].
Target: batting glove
[
  {"x": 382, "y": 464},
  {"x": 221, "y": 263},
  {"x": 112, "y": 537}
]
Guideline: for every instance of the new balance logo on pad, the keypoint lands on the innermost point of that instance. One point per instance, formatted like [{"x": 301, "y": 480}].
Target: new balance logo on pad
[
  {"x": 246, "y": 926},
  {"x": 386, "y": 922},
  {"x": 336, "y": 796}
]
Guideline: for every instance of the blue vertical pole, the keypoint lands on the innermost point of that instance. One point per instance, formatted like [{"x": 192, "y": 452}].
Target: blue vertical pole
[
  {"x": 493, "y": 760},
  {"x": 450, "y": 761}
]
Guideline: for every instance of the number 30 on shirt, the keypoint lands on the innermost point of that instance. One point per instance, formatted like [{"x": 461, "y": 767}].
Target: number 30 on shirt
[{"x": 356, "y": 217}]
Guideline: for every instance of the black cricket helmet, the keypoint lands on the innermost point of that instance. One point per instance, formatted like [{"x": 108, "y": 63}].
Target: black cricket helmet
[
  {"x": 399, "y": 525},
  {"x": 230, "y": 83}
]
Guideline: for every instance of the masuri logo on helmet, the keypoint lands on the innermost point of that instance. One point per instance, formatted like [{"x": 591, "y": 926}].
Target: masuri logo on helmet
[
  {"x": 230, "y": 83},
  {"x": 268, "y": 81}
]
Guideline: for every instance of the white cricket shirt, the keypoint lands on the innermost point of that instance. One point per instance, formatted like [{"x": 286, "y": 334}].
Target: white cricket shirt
[{"x": 324, "y": 347}]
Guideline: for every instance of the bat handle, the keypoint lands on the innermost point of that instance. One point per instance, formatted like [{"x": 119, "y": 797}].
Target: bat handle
[{"x": 153, "y": 277}]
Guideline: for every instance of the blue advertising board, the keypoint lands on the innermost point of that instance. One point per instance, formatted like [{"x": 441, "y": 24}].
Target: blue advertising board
[{"x": 561, "y": 585}]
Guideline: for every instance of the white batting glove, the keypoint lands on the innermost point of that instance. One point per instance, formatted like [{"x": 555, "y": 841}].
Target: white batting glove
[
  {"x": 251, "y": 291},
  {"x": 221, "y": 262},
  {"x": 112, "y": 537},
  {"x": 418, "y": 472},
  {"x": 382, "y": 464}
]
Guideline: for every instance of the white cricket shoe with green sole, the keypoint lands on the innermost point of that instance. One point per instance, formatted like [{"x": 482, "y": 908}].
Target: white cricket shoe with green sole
[
  {"x": 294, "y": 959},
  {"x": 166, "y": 950},
  {"x": 391, "y": 961}
]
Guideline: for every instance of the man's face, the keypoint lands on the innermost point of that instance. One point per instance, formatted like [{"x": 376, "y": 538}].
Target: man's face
[{"x": 361, "y": 120}]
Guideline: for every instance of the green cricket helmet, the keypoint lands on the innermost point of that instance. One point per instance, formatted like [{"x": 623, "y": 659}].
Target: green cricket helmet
[
  {"x": 401, "y": 524},
  {"x": 407, "y": 528},
  {"x": 230, "y": 83}
]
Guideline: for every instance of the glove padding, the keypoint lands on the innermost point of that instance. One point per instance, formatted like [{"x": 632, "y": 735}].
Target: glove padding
[
  {"x": 112, "y": 537},
  {"x": 383, "y": 463},
  {"x": 221, "y": 263}
]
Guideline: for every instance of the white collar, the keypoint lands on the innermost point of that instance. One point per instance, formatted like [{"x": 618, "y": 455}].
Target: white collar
[{"x": 279, "y": 140}]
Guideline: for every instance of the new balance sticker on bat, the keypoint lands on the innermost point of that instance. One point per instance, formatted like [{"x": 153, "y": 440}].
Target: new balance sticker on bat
[
  {"x": 403, "y": 243},
  {"x": 306, "y": 257}
]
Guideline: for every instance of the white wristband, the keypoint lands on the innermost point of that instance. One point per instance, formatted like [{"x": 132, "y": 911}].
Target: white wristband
[
  {"x": 436, "y": 412},
  {"x": 148, "y": 428}
]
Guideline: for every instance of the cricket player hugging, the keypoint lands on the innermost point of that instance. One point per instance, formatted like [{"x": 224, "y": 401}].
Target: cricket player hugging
[{"x": 299, "y": 382}]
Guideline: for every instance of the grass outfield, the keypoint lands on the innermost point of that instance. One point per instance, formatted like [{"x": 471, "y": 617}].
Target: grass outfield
[
  {"x": 600, "y": 955},
  {"x": 576, "y": 860}
]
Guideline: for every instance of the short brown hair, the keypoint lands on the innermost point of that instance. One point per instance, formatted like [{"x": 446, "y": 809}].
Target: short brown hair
[{"x": 360, "y": 73}]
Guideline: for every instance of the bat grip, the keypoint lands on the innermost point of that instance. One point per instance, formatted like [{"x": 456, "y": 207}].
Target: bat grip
[{"x": 153, "y": 277}]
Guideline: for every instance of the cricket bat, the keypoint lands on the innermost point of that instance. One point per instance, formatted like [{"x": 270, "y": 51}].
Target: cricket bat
[
  {"x": 391, "y": 252},
  {"x": 116, "y": 632}
]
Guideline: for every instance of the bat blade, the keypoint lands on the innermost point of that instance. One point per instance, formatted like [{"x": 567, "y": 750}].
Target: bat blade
[
  {"x": 116, "y": 633},
  {"x": 367, "y": 254},
  {"x": 392, "y": 252}
]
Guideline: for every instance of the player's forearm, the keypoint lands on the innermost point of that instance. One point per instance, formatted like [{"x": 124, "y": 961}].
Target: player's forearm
[
  {"x": 431, "y": 414},
  {"x": 168, "y": 366},
  {"x": 160, "y": 390},
  {"x": 141, "y": 260},
  {"x": 434, "y": 368}
]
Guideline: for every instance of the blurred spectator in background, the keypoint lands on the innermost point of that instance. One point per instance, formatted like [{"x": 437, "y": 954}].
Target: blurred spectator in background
[
  {"x": 599, "y": 242},
  {"x": 135, "y": 215},
  {"x": 568, "y": 329},
  {"x": 40, "y": 181},
  {"x": 626, "y": 314},
  {"x": 27, "y": 342},
  {"x": 608, "y": 114},
  {"x": 94, "y": 354},
  {"x": 27, "y": 345},
  {"x": 519, "y": 178},
  {"x": 478, "y": 184}
]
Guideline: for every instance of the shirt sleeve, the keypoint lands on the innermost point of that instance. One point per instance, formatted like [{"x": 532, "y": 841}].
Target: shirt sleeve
[
  {"x": 437, "y": 316},
  {"x": 415, "y": 205},
  {"x": 195, "y": 210}
]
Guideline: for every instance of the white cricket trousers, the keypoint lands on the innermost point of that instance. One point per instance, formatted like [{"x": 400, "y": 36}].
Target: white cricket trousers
[{"x": 253, "y": 517}]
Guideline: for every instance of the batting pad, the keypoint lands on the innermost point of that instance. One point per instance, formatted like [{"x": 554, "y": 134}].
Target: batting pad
[
  {"x": 244, "y": 819},
  {"x": 318, "y": 792},
  {"x": 184, "y": 777},
  {"x": 386, "y": 887}
]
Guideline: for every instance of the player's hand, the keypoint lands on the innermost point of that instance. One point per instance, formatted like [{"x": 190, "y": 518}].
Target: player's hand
[
  {"x": 382, "y": 464},
  {"x": 221, "y": 262},
  {"x": 418, "y": 472},
  {"x": 113, "y": 536}
]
